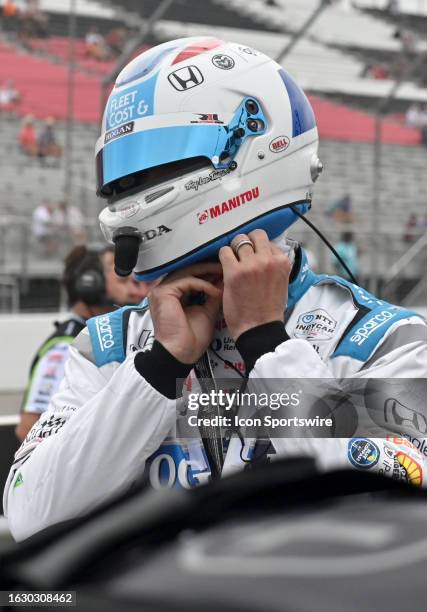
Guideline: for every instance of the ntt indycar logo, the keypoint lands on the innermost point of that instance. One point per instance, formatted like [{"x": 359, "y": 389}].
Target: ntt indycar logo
[
  {"x": 105, "y": 333},
  {"x": 225, "y": 207}
]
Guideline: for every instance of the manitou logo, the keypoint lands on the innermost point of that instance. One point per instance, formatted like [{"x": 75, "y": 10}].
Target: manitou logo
[{"x": 228, "y": 205}]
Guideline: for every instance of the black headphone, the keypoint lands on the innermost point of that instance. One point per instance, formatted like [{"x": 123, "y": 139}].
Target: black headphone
[{"x": 88, "y": 282}]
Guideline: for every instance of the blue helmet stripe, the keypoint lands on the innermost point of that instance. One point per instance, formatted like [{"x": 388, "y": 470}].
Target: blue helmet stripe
[{"x": 303, "y": 118}]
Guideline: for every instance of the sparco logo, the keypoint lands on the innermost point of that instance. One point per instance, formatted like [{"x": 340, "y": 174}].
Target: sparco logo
[
  {"x": 185, "y": 78},
  {"x": 279, "y": 144},
  {"x": 105, "y": 333},
  {"x": 154, "y": 233},
  {"x": 127, "y": 128},
  {"x": 370, "y": 326},
  {"x": 229, "y": 205}
]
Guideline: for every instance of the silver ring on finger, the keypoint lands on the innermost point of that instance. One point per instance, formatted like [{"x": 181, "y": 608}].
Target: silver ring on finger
[{"x": 237, "y": 246}]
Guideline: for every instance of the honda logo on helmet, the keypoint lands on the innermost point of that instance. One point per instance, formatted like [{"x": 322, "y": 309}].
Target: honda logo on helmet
[
  {"x": 185, "y": 78},
  {"x": 154, "y": 233}
]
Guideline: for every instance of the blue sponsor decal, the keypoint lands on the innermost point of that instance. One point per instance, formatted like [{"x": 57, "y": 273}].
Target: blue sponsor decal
[
  {"x": 170, "y": 467},
  {"x": 131, "y": 103},
  {"x": 363, "y": 453}
]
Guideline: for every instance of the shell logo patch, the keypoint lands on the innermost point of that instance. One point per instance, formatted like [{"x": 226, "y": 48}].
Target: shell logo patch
[{"x": 413, "y": 469}]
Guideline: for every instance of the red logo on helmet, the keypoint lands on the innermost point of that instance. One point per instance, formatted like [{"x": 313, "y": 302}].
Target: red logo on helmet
[
  {"x": 203, "y": 216},
  {"x": 279, "y": 144},
  {"x": 229, "y": 205}
]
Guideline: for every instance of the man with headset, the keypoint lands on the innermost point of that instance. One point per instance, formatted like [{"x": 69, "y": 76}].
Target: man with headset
[{"x": 92, "y": 288}]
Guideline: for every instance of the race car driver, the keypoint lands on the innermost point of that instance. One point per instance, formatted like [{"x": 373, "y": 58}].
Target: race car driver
[
  {"x": 92, "y": 288},
  {"x": 208, "y": 154}
]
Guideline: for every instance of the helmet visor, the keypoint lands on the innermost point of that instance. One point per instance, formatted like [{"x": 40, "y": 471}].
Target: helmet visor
[{"x": 139, "y": 145}]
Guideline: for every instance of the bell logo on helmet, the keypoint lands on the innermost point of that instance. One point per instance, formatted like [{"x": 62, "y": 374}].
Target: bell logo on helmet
[
  {"x": 229, "y": 205},
  {"x": 154, "y": 233},
  {"x": 185, "y": 78},
  {"x": 279, "y": 144}
]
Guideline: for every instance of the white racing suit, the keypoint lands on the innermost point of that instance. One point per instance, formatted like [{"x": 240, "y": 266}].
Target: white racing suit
[{"x": 107, "y": 424}]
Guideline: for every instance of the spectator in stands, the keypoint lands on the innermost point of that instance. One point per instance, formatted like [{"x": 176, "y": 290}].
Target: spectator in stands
[
  {"x": 116, "y": 40},
  {"x": 411, "y": 229},
  {"x": 347, "y": 250},
  {"x": 375, "y": 71},
  {"x": 95, "y": 45},
  {"x": 47, "y": 143},
  {"x": 414, "y": 116},
  {"x": 10, "y": 10},
  {"x": 36, "y": 22},
  {"x": 9, "y": 96},
  {"x": 341, "y": 210},
  {"x": 423, "y": 125},
  {"x": 378, "y": 72},
  {"x": 44, "y": 229},
  {"x": 407, "y": 38},
  {"x": 27, "y": 137},
  {"x": 69, "y": 222},
  {"x": 92, "y": 288}
]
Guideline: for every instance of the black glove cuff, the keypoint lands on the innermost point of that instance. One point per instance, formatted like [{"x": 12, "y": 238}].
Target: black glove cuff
[
  {"x": 161, "y": 369},
  {"x": 255, "y": 342}
]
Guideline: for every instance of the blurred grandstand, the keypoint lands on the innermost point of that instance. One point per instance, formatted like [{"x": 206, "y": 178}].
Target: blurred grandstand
[{"x": 362, "y": 63}]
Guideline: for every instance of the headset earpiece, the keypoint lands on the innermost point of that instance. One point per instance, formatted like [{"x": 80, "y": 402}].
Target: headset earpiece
[{"x": 89, "y": 280}]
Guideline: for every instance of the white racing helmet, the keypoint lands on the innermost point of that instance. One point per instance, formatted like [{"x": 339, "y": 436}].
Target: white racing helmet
[{"x": 201, "y": 140}]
